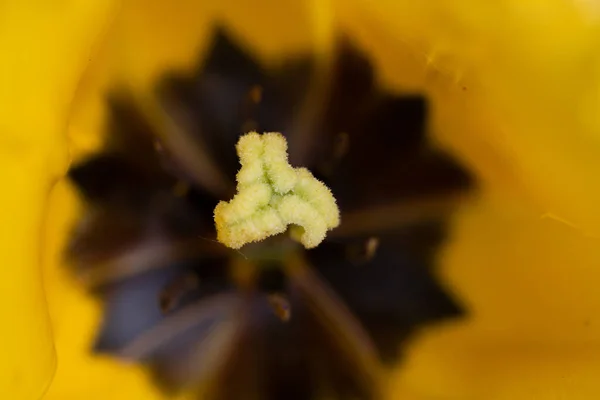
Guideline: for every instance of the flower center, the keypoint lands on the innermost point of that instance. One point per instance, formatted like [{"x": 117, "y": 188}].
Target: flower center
[{"x": 273, "y": 195}]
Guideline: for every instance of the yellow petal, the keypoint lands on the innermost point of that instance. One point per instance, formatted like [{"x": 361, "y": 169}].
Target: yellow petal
[
  {"x": 515, "y": 87},
  {"x": 45, "y": 49},
  {"x": 186, "y": 27},
  {"x": 532, "y": 329}
]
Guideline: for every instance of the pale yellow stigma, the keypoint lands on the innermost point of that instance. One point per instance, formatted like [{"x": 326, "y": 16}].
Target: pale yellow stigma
[{"x": 273, "y": 195}]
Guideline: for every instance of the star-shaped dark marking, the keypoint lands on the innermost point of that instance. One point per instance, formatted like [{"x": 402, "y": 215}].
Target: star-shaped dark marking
[{"x": 277, "y": 321}]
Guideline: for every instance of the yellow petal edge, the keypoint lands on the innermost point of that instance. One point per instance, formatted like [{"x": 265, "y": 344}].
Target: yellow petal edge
[{"x": 273, "y": 195}]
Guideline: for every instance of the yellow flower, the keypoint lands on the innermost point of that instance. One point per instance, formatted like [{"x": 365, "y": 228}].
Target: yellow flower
[
  {"x": 514, "y": 89},
  {"x": 38, "y": 81}
]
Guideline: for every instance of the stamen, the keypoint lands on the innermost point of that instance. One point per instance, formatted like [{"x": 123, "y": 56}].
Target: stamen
[
  {"x": 146, "y": 257},
  {"x": 396, "y": 215},
  {"x": 371, "y": 247},
  {"x": 281, "y": 306},
  {"x": 339, "y": 149},
  {"x": 174, "y": 292},
  {"x": 364, "y": 251},
  {"x": 253, "y": 99},
  {"x": 344, "y": 329},
  {"x": 272, "y": 195},
  {"x": 211, "y": 354},
  {"x": 213, "y": 310},
  {"x": 180, "y": 189},
  {"x": 341, "y": 145},
  {"x": 255, "y": 94},
  {"x": 191, "y": 154},
  {"x": 304, "y": 133}
]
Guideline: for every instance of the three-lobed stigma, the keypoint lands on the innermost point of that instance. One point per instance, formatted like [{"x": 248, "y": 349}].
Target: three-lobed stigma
[{"x": 273, "y": 195}]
